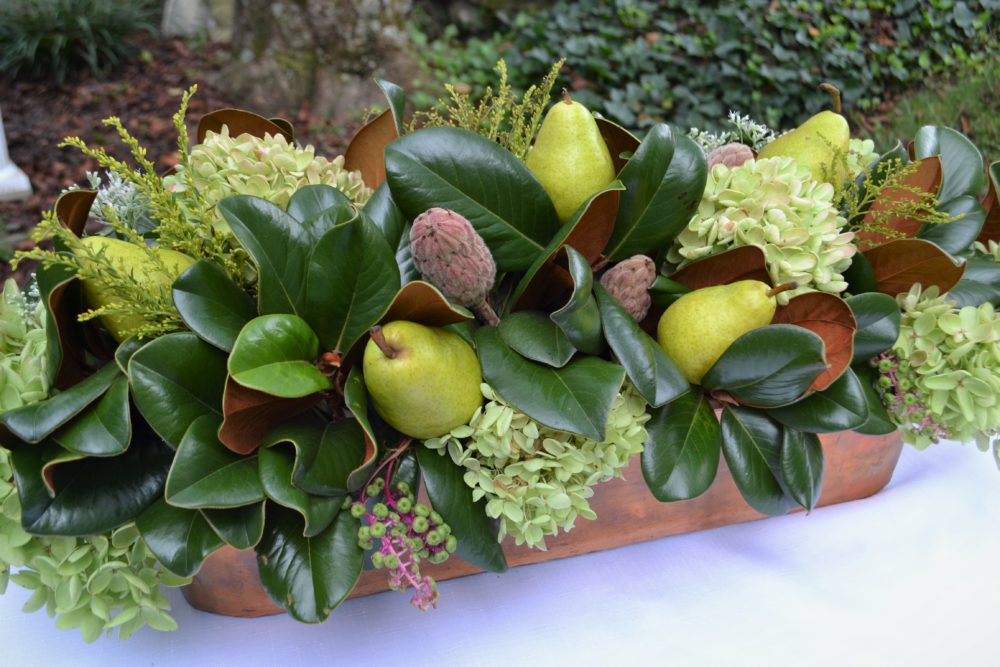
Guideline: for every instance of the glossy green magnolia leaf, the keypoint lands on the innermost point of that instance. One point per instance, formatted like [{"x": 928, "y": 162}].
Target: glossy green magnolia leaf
[
  {"x": 473, "y": 176},
  {"x": 128, "y": 347},
  {"x": 962, "y": 163},
  {"x": 651, "y": 371},
  {"x": 356, "y": 401},
  {"x": 36, "y": 421},
  {"x": 979, "y": 284},
  {"x": 311, "y": 201},
  {"x": 664, "y": 182},
  {"x": 176, "y": 379},
  {"x": 535, "y": 336},
  {"x": 240, "y": 527},
  {"x": 180, "y": 539},
  {"x": 801, "y": 465},
  {"x": 326, "y": 453},
  {"x": 681, "y": 455},
  {"x": 956, "y": 236},
  {"x": 878, "y": 422},
  {"x": 395, "y": 96},
  {"x": 751, "y": 443},
  {"x": 279, "y": 245},
  {"x": 860, "y": 276},
  {"x": 275, "y": 354},
  {"x": 580, "y": 318},
  {"x": 665, "y": 291},
  {"x": 212, "y": 305},
  {"x": 407, "y": 470},
  {"x": 769, "y": 366},
  {"x": 105, "y": 429},
  {"x": 206, "y": 474},
  {"x": 452, "y": 498},
  {"x": 576, "y": 398},
  {"x": 309, "y": 576},
  {"x": 92, "y": 495},
  {"x": 840, "y": 407},
  {"x": 275, "y": 465},
  {"x": 878, "y": 319},
  {"x": 63, "y": 352},
  {"x": 382, "y": 211},
  {"x": 351, "y": 280}
]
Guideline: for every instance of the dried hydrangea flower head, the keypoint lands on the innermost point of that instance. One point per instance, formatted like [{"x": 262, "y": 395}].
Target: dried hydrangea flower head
[
  {"x": 940, "y": 380},
  {"x": 775, "y": 205},
  {"x": 454, "y": 258},
  {"x": 268, "y": 167},
  {"x": 629, "y": 281}
]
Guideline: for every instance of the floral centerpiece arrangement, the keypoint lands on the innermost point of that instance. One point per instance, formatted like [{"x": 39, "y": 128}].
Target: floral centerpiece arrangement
[{"x": 457, "y": 330}]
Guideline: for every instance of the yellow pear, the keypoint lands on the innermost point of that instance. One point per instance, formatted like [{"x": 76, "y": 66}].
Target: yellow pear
[
  {"x": 130, "y": 260},
  {"x": 820, "y": 144},
  {"x": 569, "y": 157},
  {"x": 423, "y": 381},
  {"x": 697, "y": 328}
]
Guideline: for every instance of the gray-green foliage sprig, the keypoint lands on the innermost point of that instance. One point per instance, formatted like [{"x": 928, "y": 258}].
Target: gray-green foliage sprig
[
  {"x": 100, "y": 583},
  {"x": 941, "y": 379},
  {"x": 536, "y": 479}
]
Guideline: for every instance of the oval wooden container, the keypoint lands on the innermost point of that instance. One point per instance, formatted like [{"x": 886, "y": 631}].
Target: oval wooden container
[{"x": 857, "y": 466}]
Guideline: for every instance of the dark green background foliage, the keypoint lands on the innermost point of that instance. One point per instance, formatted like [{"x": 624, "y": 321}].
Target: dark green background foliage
[
  {"x": 53, "y": 38},
  {"x": 691, "y": 63}
]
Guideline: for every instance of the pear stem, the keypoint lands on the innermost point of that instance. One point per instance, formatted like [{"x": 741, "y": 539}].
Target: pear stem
[
  {"x": 376, "y": 333},
  {"x": 782, "y": 288},
  {"x": 486, "y": 313},
  {"x": 834, "y": 93},
  {"x": 565, "y": 97}
]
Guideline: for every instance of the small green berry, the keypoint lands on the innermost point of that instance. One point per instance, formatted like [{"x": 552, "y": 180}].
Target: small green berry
[
  {"x": 884, "y": 382},
  {"x": 909, "y": 399},
  {"x": 372, "y": 490},
  {"x": 404, "y": 505},
  {"x": 437, "y": 518},
  {"x": 364, "y": 532},
  {"x": 451, "y": 545},
  {"x": 378, "y": 529},
  {"x": 378, "y": 559},
  {"x": 421, "y": 510},
  {"x": 885, "y": 365},
  {"x": 420, "y": 524},
  {"x": 403, "y": 487},
  {"x": 380, "y": 510},
  {"x": 391, "y": 561},
  {"x": 434, "y": 538},
  {"x": 357, "y": 510}
]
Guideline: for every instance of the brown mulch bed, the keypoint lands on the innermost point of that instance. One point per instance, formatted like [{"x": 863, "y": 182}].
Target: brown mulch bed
[{"x": 145, "y": 94}]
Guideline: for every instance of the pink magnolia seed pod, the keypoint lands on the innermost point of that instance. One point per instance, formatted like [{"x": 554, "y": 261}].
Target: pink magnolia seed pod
[
  {"x": 629, "y": 281},
  {"x": 731, "y": 155},
  {"x": 452, "y": 256}
]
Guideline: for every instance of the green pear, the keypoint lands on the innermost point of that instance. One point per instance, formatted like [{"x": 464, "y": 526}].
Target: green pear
[
  {"x": 697, "y": 328},
  {"x": 569, "y": 157},
  {"x": 423, "y": 381},
  {"x": 820, "y": 144},
  {"x": 130, "y": 260}
]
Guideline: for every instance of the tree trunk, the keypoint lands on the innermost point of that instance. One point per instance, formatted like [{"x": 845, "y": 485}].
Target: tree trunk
[{"x": 320, "y": 53}]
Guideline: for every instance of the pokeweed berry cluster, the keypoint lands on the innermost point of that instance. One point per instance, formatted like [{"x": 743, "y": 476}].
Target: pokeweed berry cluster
[{"x": 405, "y": 533}]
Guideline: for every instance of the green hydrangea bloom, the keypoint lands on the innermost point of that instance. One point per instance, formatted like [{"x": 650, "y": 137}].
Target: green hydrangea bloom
[
  {"x": 860, "y": 154},
  {"x": 772, "y": 204},
  {"x": 940, "y": 380},
  {"x": 536, "y": 479},
  {"x": 268, "y": 167},
  {"x": 23, "y": 377}
]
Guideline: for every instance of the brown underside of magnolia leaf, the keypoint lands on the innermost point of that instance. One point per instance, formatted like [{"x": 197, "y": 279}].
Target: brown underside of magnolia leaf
[
  {"x": 421, "y": 302},
  {"x": 830, "y": 318},
  {"x": 73, "y": 209},
  {"x": 241, "y": 122},
  {"x": 743, "y": 263},
  {"x": 991, "y": 202},
  {"x": 927, "y": 178},
  {"x": 65, "y": 303},
  {"x": 366, "y": 152},
  {"x": 899, "y": 264},
  {"x": 589, "y": 237},
  {"x": 249, "y": 415},
  {"x": 619, "y": 140}
]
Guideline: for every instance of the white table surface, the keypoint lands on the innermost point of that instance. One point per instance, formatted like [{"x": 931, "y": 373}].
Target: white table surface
[{"x": 909, "y": 577}]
